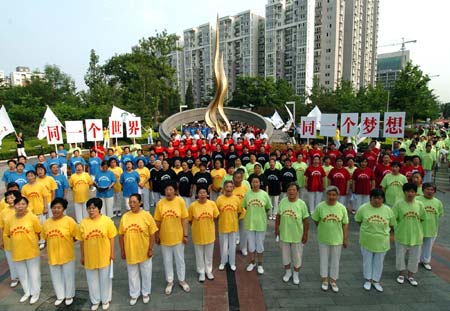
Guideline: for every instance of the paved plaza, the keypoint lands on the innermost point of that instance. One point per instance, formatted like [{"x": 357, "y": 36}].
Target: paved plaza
[{"x": 247, "y": 291}]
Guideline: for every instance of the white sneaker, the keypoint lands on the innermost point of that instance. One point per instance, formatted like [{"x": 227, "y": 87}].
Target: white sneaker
[
  {"x": 145, "y": 299},
  {"x": 69, "y": 301},
  {"x": 105, "y": 306},
  {"x": 237, "y": 241},
  {"x": 378, "y": 286},
  {"x": 221, "y": 267},
  {"x": 133, "y": 301},
  {"x": 250, "y": 267},
  {"x": 367, "y": 285},
  {"x": 233, "y": 267},
  {"x": 34, "y": 299},
  {"x": 42, "y": 246},
  {"x": 244, "y": 252},
  {"x": 287, "y": 275},
  {"x": 324, "y": 285},
  {"x": 58, "y": 302},
  {"x": 95, "y": 307},
  {"x": 426, "y": 266},
  {"x": 295, "y": 278},
  {"x": 209, "y": 276},
  {"x": 201, "y": 277},
  {"x": 260, "y": 270},
  {"x": 14, "y": 283},
  {"x": 24, "y": 298}
]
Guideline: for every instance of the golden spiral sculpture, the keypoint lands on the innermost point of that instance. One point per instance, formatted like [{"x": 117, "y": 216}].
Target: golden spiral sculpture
[{"x": 221, "y": 81}]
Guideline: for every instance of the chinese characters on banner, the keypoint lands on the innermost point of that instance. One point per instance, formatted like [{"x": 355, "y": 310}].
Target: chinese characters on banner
[
  {"x": 134, "y": 128},
  {"x": 54, "y": 134},
  {"x": 308, "y": 127},
  {"x": 328, "y": 123},
  {"x": 115, "y": 128},
  {"x": 349, "y": 124},
  {"x": 94, "y": 129},
  {"x": 394, "y": 124},
  {"x": 74, "y": 132},
  {"x": 370, "y": 125}
]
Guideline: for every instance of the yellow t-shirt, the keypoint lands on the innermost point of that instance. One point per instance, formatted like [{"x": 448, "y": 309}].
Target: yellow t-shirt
[
  {"x": 217, "y": 177},
  {"x": 170, "y": 214},
  {"x": 60, "y": 235},
  {"x": 117, "y": 171},
  {"x": 35, "y": 194},
  {"x": 144, "y": 174},
  {"x": 80, "y": 184},
  {"x": 202, "y": 217},
  {"x": 229, "y": 210},
  {"x": 177, "y": 170},
  {"x": 24, "y": 236},
  {"x": 96, "y": 235},
  {"x": 240, "y": 193},
  {"x": 3, "y": 204},
  {"x": 137, "y": 229},
  {"x": 195, "y": 170},
  {"x": 50, "y": 184},
  {"x": 4, "y": 215}
]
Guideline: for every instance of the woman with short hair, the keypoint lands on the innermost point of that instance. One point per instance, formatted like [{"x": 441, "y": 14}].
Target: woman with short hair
[{"x": 80, "y": 182}]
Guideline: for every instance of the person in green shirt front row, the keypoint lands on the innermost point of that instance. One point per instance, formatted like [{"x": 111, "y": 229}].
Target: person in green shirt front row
[
  {"x": 375, "y": 220},
  {"x": 392, "y": 184},
  {"x": 332, "y": 220},
  {"x": 291, "y": 226},
  {"x": 409, "y": 214},
  {"x": 433, "y": 211}
]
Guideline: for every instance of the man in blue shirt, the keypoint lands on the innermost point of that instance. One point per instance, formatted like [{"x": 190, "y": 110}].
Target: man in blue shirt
[
  {"x": 61, "y": 181},
  {"x": 104, "y": 182}
]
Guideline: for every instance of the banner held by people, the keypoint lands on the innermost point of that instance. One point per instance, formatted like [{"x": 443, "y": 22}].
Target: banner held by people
[
  {"x": 6, "y": 126},
  {"x": 48, "y": 119}
]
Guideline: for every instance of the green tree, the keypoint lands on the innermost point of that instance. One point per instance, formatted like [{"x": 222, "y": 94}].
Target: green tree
[
  {"x": 189, "y": 96},
  {"x": 445, "y": 109}
]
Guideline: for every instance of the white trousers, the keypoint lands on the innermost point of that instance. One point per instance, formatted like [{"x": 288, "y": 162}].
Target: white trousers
[
  {"x": 329, "y": 260},
  {"x": 156, "y": 198},
  {"x": 29, "y": 272},
  {"x": 117, "y": 202},
  {"x": 242, "y": 236},
  {"x": 228, "y": 248},
  {"x": 127, "y": 204},
  {"x": 282, "y": 196},
  {"x": 80, "y": 211},
  {"x": 11, "y": 264},
  {"x": 140, "y": 278},
  {"x": 314, "y": 198},
  {"x": 428, "y": 175},
  {"x": 168, "y": 254},
  {"x": 214, "y": 195},
  {"x": 274, "y": 199},
  {"x": 63, "y": 279},
  {"x": 99, "y": 284},
  {"x": 343, "y": 200},
  {"x": 302, "y": 194},
  {"x": 372, "y": 264},
  {"x": 187, "y": 201},
  {"x": 360, "y": 200},
  {"x": 21, "y": 152},
  {"x": 64, "y": 169},
  {"x": 413, "y": 257},
  {"x": 108, "y": 206},
  {"x": 427, "y": 247},
  {"x": 42, "y": 219},
  {"x": 291, "y": 253},
  {"x": 146, "y": 198},
  {"x": 256, "y": 241},
  {"x": 204, "y": 257}
]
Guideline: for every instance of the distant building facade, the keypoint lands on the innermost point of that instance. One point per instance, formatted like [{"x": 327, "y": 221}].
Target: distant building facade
[{"x": 389, "y": 66}]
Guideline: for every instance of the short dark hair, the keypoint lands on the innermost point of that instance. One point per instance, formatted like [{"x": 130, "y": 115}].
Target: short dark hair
[
  {"x": 12, "y": 185},
  {"x": 409, "y": 186},
  {"x": 428, "y": 185},
  {"x": 377, "y": 193},
  {"x": 15, "y": 193},
  {"x": 61, "y": 201},
  {"x": 97, "y": 202}
]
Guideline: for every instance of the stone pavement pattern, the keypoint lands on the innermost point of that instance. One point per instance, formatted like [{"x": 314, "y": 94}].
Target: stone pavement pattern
[{"x": 268, "y": 291}]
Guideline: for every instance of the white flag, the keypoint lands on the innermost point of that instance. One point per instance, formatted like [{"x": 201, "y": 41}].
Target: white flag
[
  {"x": 118, "y": 113},
  {"x": 6, "y": 126},
  {"x": 48, "y": 119},
  {"x": 276, "y": 120}
]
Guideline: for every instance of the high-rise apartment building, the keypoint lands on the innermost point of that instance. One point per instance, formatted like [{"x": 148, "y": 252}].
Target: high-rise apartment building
[
  {"x": 177, "y": 62},
  {"x": 289, "y": 42},
  {"x": 389, "y": 66}
]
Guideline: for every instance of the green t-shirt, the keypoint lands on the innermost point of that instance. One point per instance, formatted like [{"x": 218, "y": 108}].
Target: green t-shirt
[
  {"x": 291, "y": 220},
  {"x": 433, "y": 211},
  {"x": 245, "y": 171},
  {"x": 256, "y": 204},
  {"x": 226, "y": 177},
  {"x": 250, "y": 167},
  {"x": 375, "y": 227},
  {"x": 427, "y": 160},
  {"x": 327, "y": 170},
  {"x": 278, "y": 165},
  {"x": 300, "y": 169},
  {"x": 330, "y": 219},
  {"x": 393, "y": 187},
  {"x": 409, "y": 217}
]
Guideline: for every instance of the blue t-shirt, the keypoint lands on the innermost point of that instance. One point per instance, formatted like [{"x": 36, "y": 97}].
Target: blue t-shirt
[
  {"x": 107, "y": 157},
  {"x": 94, "y": 165},
  {"x": 62, "y": 156},
  {"x": 126, "y": 158},
  {"x": 130, "y": 183},
  {"x": 140, "y": 158},
  {"x": 50, "y": 162},
  {"x": 28, "y": 167},
  {"x": 45, "y": 165},
  {"x": 104, "y": 180},
  {"x": 20, "y": 179},
  {"x": 74, "y": 161},
  {"x": 61, "y": 183},
  {"x": 6, "y": 175}
]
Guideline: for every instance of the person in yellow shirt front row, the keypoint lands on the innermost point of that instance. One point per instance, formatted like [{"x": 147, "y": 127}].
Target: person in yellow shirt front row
[
  {"x": 171, "y": 218},
  {"x": 5, "y": 243},
  {"x": 80, "y": 182},
  {"x": 201, "y": 216},
  {"x": 136, "y": 237},
  {"x": 23, "y": 229},
  {"x": 96, "y": 235},
  {"x": 230, "y": 209},
  {"x": 60, "y": 232}
]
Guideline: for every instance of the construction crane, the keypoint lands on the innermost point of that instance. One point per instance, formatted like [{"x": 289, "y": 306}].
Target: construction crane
[{"x": 403, "y": 44}]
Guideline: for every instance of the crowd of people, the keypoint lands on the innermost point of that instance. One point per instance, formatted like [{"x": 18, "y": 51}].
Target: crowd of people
[{"x": 163, "y": 194}]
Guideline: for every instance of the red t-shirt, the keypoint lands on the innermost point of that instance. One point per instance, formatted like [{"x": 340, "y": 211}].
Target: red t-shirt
[
  {"x": 349, "y": 154},
  {"x": 182, "y": 151},
  {"x": 252, "y": 148},
  {"x": 315, "y": 178},
  {"x": 407, "y": 171},
  {"x": 339, "y": 177},
  {"x": 238, "y": 148},
  {"x": 175, "y": 143},
  {"x": 371, "y": 159},
  {"x": 170, "y": 151},
  {"x": 226, "y": 148},
  {"x": 194, "y": 150},
  {"x": 362, "y": 180},
  {"x": 258, "y": 143},
  {"x": 315, "y": 152},
  {"x": 380, "y": 171},
  {"x": 267, "y": 148},
  {"x": 188, "y": 141},
  {"x": 159, "y": 149},
  {"x": 333, "y": 154}
]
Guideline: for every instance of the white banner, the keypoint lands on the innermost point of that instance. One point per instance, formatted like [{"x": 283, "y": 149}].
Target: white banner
[
  {"x": 74, "y": 132},
  {"x": 6, "y": 126},
  {"x": 54, "y": 134},
  {"x": 276, "y": 120},
  {"x": 394, "y": 124},
  {"x": 94, "y": 129},
  {"x": 48, "y": 119},
  {"x": 118, "y": 113},
  {"x": 349, "y": 124},
  {"x": 308, "y": 127},
  {"x": 115, "y": 128},
  {"x": 370, "y": 124},
  {"x": 328, "y": 124},
  {"x": 316, "y": 113},
  {"x": 134, "y": 127}
]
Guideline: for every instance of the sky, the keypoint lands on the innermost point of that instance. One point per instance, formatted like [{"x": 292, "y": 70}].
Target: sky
[{"x": 36, "y": 33}]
